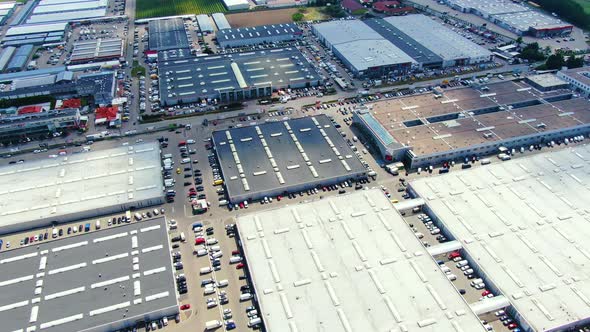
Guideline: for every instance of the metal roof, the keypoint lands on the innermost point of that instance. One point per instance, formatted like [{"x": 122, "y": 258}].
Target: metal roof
[
  {"x": 221, "y": 21},
  {"x": 347, "y": 263},
  {"x": 67, "y": 16},
  {"x": 167, "y": 34},
  {"x": 40, "y": 28},
  {"x": 97, "y": 49},
  {"x": 5, "y": 56},
  {"x": 288, "y": 155},
  {"x": 522, "y": 21},
  {"x": 360, "y": 45},
  {"x": 50, "y": 188},
  {"x": 446, "y": 43},
  {"x": 260, "y": 31},
  {"x": 205, "y": 23},
  {"x": 20, "y": 57},
  {"x": 77, "y": 6},
  {"x": 92, "y": 280},
  {"x": 525, "y": 223}
]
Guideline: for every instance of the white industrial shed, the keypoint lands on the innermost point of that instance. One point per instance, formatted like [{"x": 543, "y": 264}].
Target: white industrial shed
[
  {"x": 61, "y": 8},
  {"x": 526, "y": 223},
  {"x": 453, "y": 48},
  {"x": 236, "y": 4},
  {"x": 67, "y": 16},
  {"x": 32, "y": 29},
  {"x": 205, "y": 24},
  {"x": 221, "y": 22},
  {"x": 347, "y": 263},
  {"x": 82, "y": 185}
]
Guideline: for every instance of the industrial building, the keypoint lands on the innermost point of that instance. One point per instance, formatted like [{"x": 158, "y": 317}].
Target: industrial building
[
  {"x": 167, "y": 34},
  {"x": 19, "y": 58},
  {"x": 61, "y": 189},
  {"x": 514, "y": 17},
  {"x": 278, "y": 157},
  {"x": 6, "y": 9},
  {"x": 523, "y": 225},
  {"x": 394, "y": 45},
  {"x": 428, "y": 129},
  {"x": 454, "y": 49},
  {"x": 578, "y": 78},
  {"x": 236, "y": 4},
  {"x": 347, "y": 263},
  {"x": 97, "y": 50},
  {"x": 104, "y": 280},
  {"x": 205, "y": 24},
  {"x": 35, "y": 34},
  {"x": 220, "y": 20},
  {"x": 51, "y": 121},
  {"x": 57, "y": 81},
  {"x": 5, "y": 56},
  {"x": 547, "y": 82},
  {"x": 262, "y": 34},
  {"x": 234, "y": 77},
  {"x": 362, "y": 50},
  {"x": 51, "y": 11}
]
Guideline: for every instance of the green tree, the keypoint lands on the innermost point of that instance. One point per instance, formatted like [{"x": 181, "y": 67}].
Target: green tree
[
  {"x": 573, "y": 62},
  {"x": 297, "y": 17},
  {"x": 555, "y": 61},
  {"x": 570, "y": 10},
  {"x": 531, "y": 52},
  {"x": 519, "y": 40}
]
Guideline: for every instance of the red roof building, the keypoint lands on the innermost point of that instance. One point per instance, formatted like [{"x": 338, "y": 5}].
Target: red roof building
[
  {"x": 30, "y": 109},
  {"x": 71, "y": 103},
  {"x": 107, "y": 113},
  {"x": 392, "y": 7}
]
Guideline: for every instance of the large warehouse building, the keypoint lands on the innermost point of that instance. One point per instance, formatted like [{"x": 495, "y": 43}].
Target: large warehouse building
[
  {"x": 262, "y": 34},
  {"x": 97, "y": 50},
  {"x": 428, "y": 129},
  {"x": 514, "y": 17},
  {"x": 233, "y": 77},
  {"x": 62, "y": 189},
  {"x": 278, "y": 157},
  {"x": 347, "y": 263},
  {"x": 101, "y": 281},
  {"x": 578, "y": 78},
  {"x": 393, "y": 45},
  {"x": 523, "y": 225},
  {"x": 167, "y": 34},
  {"x": 35, "y": 34},
  {"x": 363, "y": 50}
]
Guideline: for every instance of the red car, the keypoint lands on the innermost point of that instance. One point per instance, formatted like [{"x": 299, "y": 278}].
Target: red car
[
  {"x": 185, "y": 306},
  {"x": 241, "y": 205},
  {"x": 454, "y": 254},
  {"x": 235, "y": 252},
  {"x": 279, "y": 198},
  {"x": 512, "y": 326},
  {"x": 486, "y": 292},
  {"x": 239, "y": 266},
  {"x": 199, "y": 240}
]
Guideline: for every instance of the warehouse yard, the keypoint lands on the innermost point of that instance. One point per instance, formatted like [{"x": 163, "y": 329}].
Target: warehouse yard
[{"x": 160, "y": 8}]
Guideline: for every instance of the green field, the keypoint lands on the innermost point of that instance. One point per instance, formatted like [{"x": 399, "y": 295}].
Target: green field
[
  {"x": 585, "y": 4},
  {"x": 159, "y": 8}
]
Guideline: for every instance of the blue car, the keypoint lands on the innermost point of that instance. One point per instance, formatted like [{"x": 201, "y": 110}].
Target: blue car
[
  {"x": 1, "y": 242},
  {"x": 230, "y": 326}
]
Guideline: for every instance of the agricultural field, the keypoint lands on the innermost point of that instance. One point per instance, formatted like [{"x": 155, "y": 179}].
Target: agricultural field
[
  {"x": 273, "y": 16},
  {"x": 159, "y": 8}
]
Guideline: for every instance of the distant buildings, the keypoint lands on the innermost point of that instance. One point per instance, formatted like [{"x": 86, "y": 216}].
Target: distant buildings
[{"x": 514, "y": 17}]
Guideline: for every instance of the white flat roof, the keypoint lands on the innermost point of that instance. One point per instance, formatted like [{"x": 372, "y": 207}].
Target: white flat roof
[
  {"x": 50, "y": 188},
  {"x": 527, "y": 223},
  {"x": 347, "y": 263},
  {"x": 29, "y": 29}
]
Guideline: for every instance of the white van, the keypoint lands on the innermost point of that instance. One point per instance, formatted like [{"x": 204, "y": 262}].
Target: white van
[
  {"x": 217, "y": 254},
  {"x": 185, "y": 161},
  {"x": 468, "y": 272},
  {"x": 476, "y": 282},
  {"x": 214, "y": 248},
  {"x": 235, "y": 259},
  {"x": 445, "y": 268},
  {"x": 245, "y": 297},
  {"x": 167, "y": 156},
  {"x": 254, "y": 321},
  {"x": 223, "y": 202},
  {"x": 211, "y": 241},
  {"x": 201, "y": 252},
  {"x": 435, "y": 231},
  {"x": 54, "y": 233},
  {"x": 205, "y": 270},
  {"x": 222, "y": 283},
  {"x": 451, "y": 277},
  {"x": 208, "y": 290},
  {"x": 182, "y": 237},
  {"x": 97, "y": 225},
  {"x": 137, "y": 216},
  {"x": 212, "y": 324}
]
